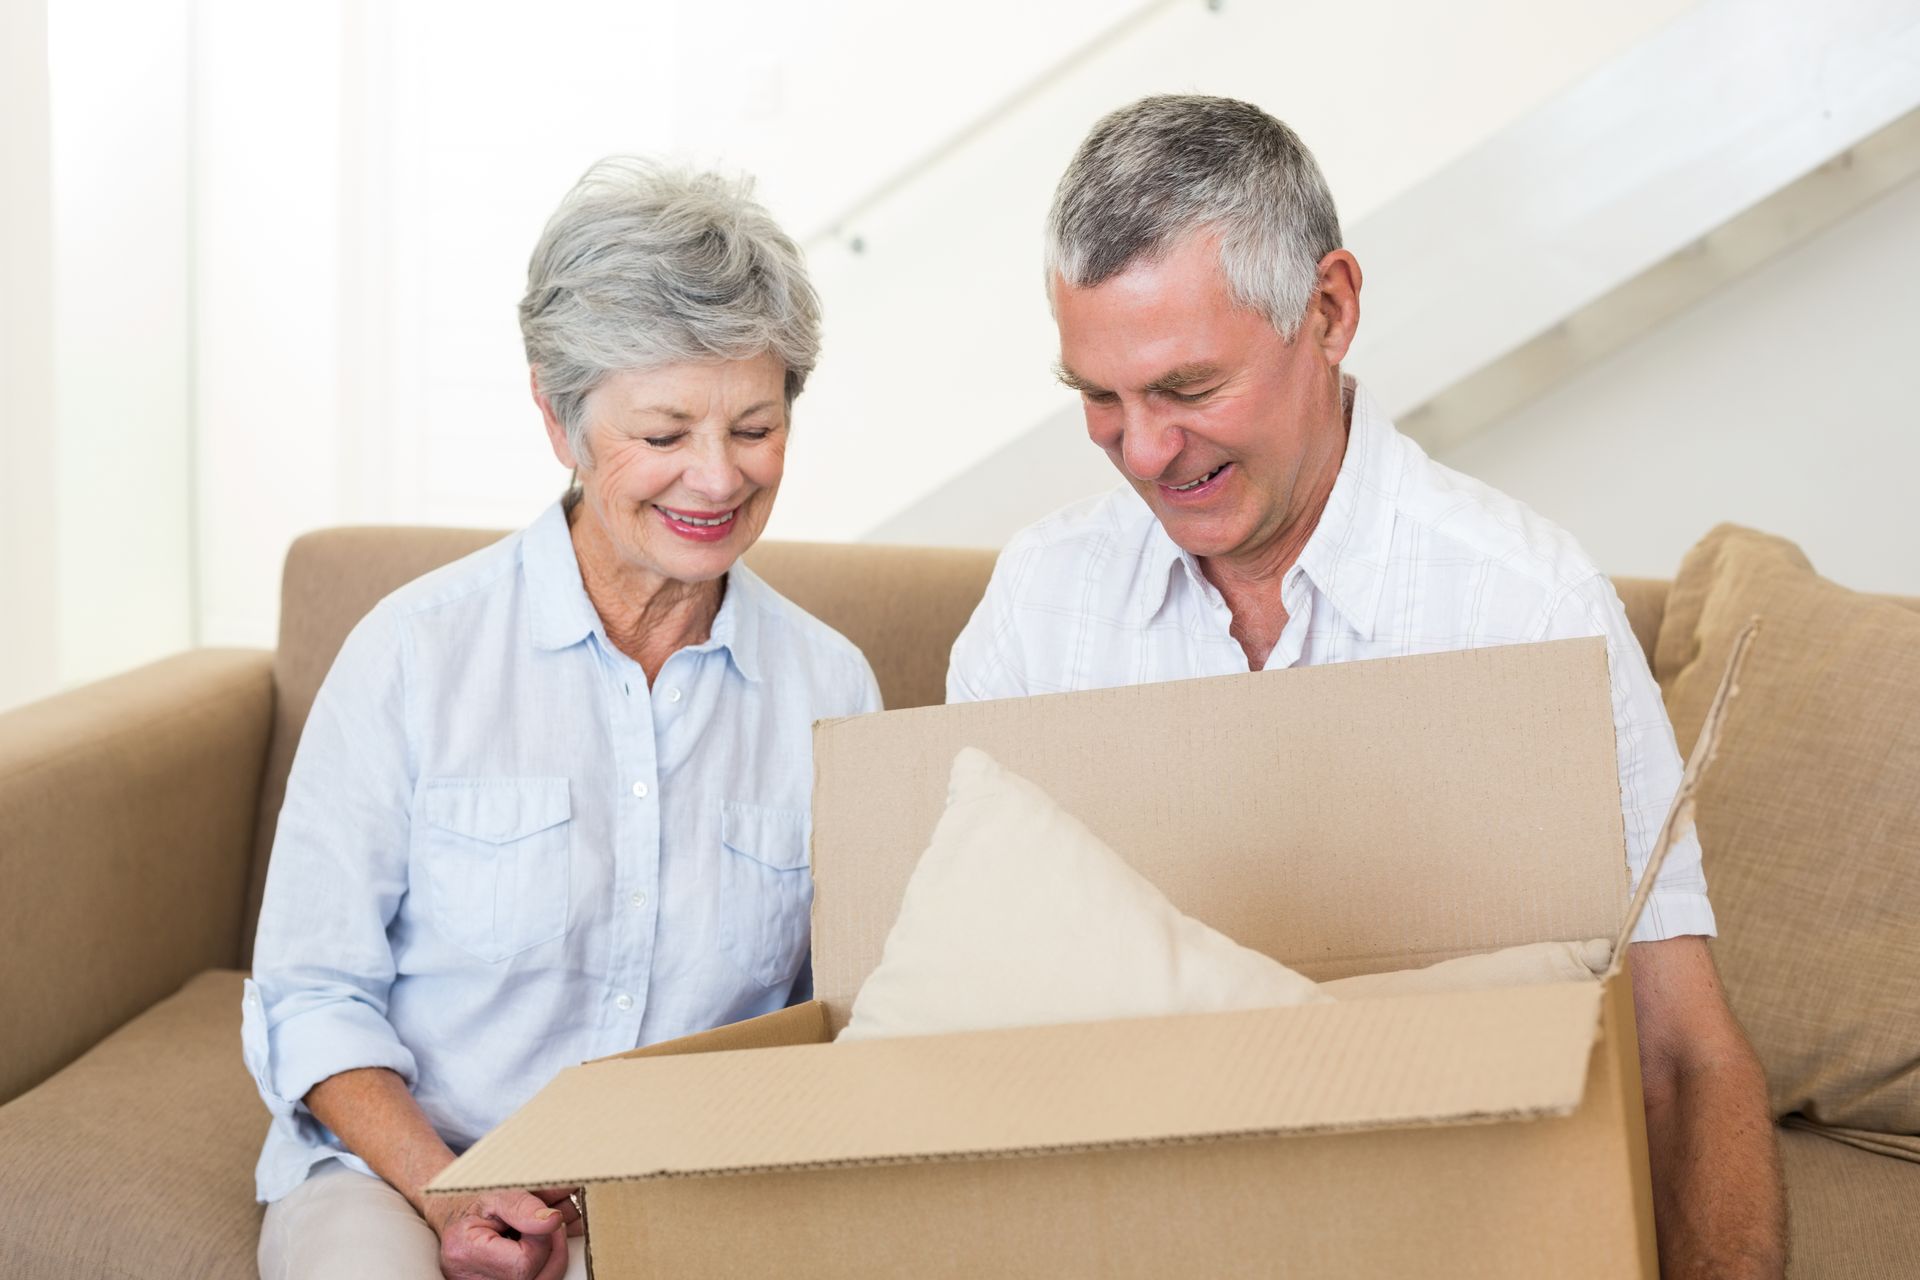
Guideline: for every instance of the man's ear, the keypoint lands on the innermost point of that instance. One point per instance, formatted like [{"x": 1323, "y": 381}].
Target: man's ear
[
  {"x": 1335, "y": 310},
  {"x": 556, "y": 430}
]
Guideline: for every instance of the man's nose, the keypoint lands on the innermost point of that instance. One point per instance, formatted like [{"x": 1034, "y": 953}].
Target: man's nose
[{"x": 1148, "y": 445}]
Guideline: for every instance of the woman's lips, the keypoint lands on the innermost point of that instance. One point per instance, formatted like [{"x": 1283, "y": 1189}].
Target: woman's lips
[
  {"x": 698, "y": 526},
  {"x": 1199, "y": 492}
]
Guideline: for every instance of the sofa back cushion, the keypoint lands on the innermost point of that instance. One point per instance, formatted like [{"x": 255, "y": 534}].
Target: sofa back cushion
[
  {"x": 902, "y": 605},
  {"x": 1809, "y": 821}
]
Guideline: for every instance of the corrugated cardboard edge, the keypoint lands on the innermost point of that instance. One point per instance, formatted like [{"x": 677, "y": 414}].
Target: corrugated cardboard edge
[
  {"x": 795, "y": 1024},
  {"x": 1398, "y": 1063},
  {"x": 1681, "y": 813}
]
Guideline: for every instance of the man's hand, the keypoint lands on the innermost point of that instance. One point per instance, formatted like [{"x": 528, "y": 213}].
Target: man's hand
[
  {"x": 1719, "y": 1205},
  {"x": 504, "y": 1235}
]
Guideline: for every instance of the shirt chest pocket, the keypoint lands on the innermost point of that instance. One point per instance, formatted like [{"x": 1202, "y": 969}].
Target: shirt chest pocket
[
  {"x": 495, "y": 852},
  {"x": 766, "y": 891}
]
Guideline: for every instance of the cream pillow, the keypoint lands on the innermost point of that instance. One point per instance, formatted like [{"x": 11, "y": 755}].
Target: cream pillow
[
  {"x": 1535, "y": 962},
  {"x": 1018, "y": 916}
]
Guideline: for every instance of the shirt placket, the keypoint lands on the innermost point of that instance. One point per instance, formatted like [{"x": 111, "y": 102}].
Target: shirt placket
[
  {"x": 1296, "y": 594},
  {"x": 635, "y": 882}
]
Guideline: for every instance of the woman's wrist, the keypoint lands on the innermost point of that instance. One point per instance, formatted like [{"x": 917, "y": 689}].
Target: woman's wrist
[{"x": 434, "y": 1209}]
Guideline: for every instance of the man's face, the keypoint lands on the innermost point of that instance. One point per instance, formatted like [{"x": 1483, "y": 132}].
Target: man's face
[{"x": 1219, "y": 423}]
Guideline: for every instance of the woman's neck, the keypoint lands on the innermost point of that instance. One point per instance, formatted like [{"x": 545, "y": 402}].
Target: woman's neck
[{"x": 647, "y": 617}]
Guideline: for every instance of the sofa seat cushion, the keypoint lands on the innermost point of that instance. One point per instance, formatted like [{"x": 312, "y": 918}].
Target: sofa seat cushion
[
  {"x": 1809, "y": 823},
  {"x": 1852, "y": 1215},
  {"x": 137, "y": 1159}
]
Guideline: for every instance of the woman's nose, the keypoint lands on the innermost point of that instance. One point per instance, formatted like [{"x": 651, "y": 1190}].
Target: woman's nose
[{"x": 715, "y": 475}]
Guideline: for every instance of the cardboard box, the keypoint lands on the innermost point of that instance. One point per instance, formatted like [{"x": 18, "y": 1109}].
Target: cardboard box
[{"x": 1344, "y": 819}]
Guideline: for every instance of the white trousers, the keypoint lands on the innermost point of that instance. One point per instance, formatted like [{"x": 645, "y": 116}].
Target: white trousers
[{"x": 341, "y": 1224}]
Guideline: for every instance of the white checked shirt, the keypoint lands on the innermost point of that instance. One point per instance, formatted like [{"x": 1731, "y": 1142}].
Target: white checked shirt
[{"x": 1409, "y": 557}]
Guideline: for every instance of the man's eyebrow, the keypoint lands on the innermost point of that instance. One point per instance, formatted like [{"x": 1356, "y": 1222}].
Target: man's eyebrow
[
  {"x": 1073, "y": 381},
  {"x": 1187, "y": 375}
]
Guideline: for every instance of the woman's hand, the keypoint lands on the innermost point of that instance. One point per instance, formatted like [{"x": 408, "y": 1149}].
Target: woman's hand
[{"x": 504, "y": 1235}]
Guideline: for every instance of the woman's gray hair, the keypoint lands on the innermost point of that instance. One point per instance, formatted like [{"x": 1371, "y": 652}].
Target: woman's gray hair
[
  {"x": 1152, "y": 173},
  {"x": 645, "y": 265}
]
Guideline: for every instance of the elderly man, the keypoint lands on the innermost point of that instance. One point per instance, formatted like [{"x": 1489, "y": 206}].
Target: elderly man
[{"x": 1272, "y": 517}]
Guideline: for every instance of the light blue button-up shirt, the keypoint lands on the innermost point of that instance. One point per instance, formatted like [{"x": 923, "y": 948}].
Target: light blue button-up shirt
[{"x": 502, "y": 853}]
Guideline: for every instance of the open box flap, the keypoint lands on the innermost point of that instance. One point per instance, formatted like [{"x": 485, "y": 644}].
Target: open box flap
[
  {"x": 796, "y": 1024},
  {"x": 1343, "y": 819},
  {"x": 1450, "y": 1058}
]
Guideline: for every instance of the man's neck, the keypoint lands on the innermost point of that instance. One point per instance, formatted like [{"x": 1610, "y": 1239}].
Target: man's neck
[{"x": 1249, "y": 581}]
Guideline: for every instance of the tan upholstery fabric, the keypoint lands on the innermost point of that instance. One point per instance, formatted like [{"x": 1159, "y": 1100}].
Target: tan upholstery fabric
[
  {"x": 1852, "y": 1216},
  {"x": 126, "y": 824},
  {"x": 902, "y": 606},
  {"x": 1645, "y": 600},
  {"x": 137, "y": 1160},
  {"x": 1810, "y": 821}
]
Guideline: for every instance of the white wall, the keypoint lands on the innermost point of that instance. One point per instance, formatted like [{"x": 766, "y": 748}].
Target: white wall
[
  {"x": 1789, "y": 401},
  {"x": 939, "y": 339},
  {"x": 28, "y": 600},
  {"x": 373, "y": 176},
  {"x": 95, "y": 568},
  {"x": 269, "y": 365},
  {"x": 121, "y": 178}
]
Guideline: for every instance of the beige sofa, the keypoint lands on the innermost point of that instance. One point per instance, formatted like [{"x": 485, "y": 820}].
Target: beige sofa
[{"x": 135, "y": 819}]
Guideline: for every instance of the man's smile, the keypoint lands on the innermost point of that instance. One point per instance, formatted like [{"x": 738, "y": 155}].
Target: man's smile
[{"x": 1199, "y": 487}]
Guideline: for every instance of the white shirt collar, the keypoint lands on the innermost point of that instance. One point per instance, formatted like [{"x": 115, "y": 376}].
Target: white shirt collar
[{"x": 1345, "y": 558}]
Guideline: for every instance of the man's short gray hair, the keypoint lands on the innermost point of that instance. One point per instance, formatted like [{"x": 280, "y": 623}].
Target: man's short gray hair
[
  {"x": 1155, "y": 172},
  {"x": 644, "y": 265}
]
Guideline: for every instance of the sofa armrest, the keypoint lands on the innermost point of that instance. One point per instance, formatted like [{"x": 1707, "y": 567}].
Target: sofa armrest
[{"x": 126, "y": 833}]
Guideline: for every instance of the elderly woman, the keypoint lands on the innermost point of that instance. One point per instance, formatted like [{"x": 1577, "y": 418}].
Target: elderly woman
[{"x": 551, "y": 802}]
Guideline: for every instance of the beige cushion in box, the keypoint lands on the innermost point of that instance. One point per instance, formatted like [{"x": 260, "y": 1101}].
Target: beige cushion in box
[
  {"x": 1017, "y": 915},
  {"x": 1810, "y": 822},
  {"x": 137, "y": 1160}
]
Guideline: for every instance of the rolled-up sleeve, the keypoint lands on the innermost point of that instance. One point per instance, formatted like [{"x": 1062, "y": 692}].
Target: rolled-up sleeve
[
  {"x": 1649, "y": 765},
  {"x": 323, "y": 965}
]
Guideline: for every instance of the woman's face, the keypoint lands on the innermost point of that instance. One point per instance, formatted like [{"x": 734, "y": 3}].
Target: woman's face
[{"x": 686, "y": 460}]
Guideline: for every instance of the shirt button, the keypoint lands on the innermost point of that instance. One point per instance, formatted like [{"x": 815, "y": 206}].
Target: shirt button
[
  {"x": 623, "y": 1002},
  {"x": 640, "y": 789},
  {"x": 638, "y": 899}
]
